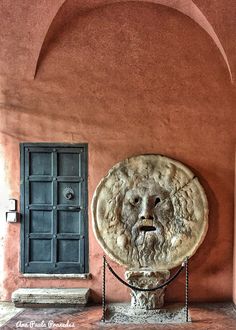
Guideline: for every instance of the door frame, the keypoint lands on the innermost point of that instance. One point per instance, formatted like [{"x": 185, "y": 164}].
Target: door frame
[{"x": 24, "y": 145}]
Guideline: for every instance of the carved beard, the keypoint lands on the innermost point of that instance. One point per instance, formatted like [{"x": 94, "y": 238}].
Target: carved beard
[
  {"x": 147, "y": 247},
  {"x": 148, "y": 244}
]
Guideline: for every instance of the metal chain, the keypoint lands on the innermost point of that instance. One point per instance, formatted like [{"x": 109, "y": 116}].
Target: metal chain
[
  {"x": 143, "y": 289},
  {"x": 186, "y": 290},
  {"x": 105, "y": 263},
  {"x": 104, "y": 290}
]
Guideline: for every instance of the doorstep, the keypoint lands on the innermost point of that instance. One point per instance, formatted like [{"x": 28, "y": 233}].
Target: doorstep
[{"x": 47, "y": 297}]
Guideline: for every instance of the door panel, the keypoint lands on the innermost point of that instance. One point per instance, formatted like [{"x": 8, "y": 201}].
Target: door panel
[
  {"x": 68, "y": 250},
  {"x": 40, "y": 163},
  {"x": 40, "y": 192},
  {"x": 54, "y": 208},
  {"x": 69, "y": 222},
  {"x": 69, "y": 164},
  {"x": 40, "y": 250},
  {"x": 40, "y": 221}
]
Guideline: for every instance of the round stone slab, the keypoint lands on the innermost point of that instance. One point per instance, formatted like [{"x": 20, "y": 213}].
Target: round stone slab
[{"x": 150, "y": 212}]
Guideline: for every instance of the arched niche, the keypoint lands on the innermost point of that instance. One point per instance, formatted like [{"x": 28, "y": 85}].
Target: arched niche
[{"x": 187, "y": 8}]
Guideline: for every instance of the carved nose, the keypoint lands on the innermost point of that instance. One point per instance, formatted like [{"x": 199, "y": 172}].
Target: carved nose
[{"x": 146, "y": 212}]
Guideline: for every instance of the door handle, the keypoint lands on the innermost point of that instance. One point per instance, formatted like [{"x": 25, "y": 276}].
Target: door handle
[{"x": 74, "y": 208}]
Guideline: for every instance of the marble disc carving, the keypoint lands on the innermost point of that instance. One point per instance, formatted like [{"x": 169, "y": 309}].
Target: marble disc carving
[{"x": 150, "y": 211}]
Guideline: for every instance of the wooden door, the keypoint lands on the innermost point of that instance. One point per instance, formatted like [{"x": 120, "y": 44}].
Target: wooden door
[{"x": 54, "y": 208}]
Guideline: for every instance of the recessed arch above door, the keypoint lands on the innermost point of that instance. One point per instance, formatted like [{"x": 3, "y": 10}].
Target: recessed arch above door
[{"x": 187, "y": 8}]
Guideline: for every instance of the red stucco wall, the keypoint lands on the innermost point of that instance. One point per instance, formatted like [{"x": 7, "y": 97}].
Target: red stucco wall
[
  {"x": 234, "y": 254},
  {"x": 128, "y": 79}
]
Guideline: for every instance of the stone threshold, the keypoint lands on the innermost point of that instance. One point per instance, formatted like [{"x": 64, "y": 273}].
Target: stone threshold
[
  {"x": 85, "y": 276},
  {"x": 48, "y": 297}
]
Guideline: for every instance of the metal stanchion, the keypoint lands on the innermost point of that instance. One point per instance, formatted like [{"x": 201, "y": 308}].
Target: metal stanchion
[
  {"x": 186, "y": 291},
  {"x": 104, "y": 290},
  {"x": 106, "y": 264}
]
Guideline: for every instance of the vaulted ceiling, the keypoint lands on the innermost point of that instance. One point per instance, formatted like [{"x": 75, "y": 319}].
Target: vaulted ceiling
[{"x": 26, "y": 25}]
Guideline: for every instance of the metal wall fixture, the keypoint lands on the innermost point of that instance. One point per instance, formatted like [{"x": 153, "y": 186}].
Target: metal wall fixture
[{"x": 12, "y": 215}]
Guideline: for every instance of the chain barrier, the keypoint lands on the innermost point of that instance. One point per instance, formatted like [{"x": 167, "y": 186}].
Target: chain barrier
[
  {"x": 105, "y": 263},
  {"x": 141, "y": 289}
]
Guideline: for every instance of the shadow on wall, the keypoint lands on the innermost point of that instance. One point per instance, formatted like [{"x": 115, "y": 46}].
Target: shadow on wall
[
  {"x": 5, "y": 189},
  {"x": 4, "y": 196}
]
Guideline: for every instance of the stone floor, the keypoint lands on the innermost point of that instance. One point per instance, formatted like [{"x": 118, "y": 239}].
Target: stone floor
[
  {"x": 8, "y": 311},
  {"x": 204, "y": 317}
]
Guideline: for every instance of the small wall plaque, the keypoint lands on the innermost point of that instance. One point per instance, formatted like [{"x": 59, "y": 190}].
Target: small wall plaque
[
  {"x": 12, "y": 216},
  {"x": 12, "y": 204}
]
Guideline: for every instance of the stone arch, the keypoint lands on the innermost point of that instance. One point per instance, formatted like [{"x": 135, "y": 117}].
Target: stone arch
[{"x": 186, "y": 7}]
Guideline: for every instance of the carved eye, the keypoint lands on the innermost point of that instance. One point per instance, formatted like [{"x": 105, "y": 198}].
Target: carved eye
[
  {"x": 135, "y": 201},
  {"x": 157, "y": 200}
]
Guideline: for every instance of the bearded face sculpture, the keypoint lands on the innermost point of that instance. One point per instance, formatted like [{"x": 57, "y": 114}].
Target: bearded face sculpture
[{"x": 150, "y": 212}]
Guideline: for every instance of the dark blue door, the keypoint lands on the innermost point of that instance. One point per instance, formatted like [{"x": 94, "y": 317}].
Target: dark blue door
[{"x": 54, "y": 208}]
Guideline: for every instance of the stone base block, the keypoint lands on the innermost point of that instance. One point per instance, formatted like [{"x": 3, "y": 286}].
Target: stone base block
[
  {"x": 56, "y": 297},
  {"x": 125, "y": 314}
]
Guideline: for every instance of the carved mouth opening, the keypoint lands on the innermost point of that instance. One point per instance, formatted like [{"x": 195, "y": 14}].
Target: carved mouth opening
[{"x": 147, "y": 228}]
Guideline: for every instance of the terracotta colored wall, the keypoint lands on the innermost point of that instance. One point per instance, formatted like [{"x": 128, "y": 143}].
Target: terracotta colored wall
[
  {"x": 234, "y": 261},
  {"x": 128, "y": 79}
]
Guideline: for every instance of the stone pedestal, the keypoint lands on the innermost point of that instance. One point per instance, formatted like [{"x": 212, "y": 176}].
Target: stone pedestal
[{"x": 147, "y": 279}]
